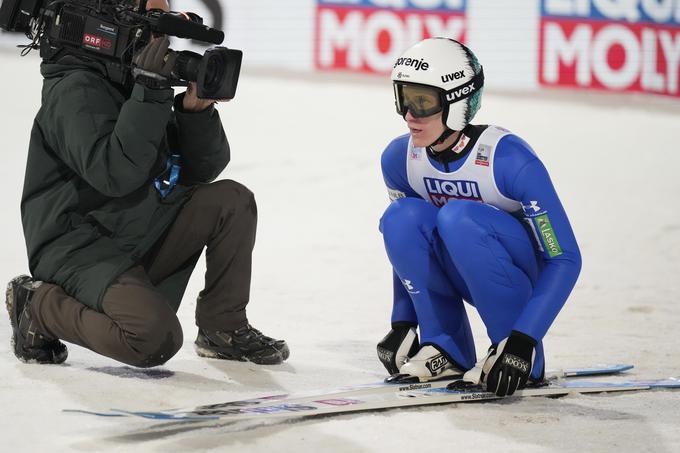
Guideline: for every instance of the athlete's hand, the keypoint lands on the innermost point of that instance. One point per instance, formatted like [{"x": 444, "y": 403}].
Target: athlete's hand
[
  {"x": 510, "y": 367},
  {"x": 398, "y": 345}
]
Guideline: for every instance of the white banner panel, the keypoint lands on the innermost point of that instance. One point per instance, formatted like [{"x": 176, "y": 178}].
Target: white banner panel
[{"x": 609, "y": 45}]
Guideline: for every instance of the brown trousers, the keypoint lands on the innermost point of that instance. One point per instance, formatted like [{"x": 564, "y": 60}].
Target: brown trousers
[{"x": 139, "y": 325}]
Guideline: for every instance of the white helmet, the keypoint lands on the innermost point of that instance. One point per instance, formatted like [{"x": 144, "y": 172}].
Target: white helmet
[{"x": 439, "y": 75}]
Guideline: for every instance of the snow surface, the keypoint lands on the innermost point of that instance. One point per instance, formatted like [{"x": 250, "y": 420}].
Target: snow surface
[{"x": 309, "y": 148}]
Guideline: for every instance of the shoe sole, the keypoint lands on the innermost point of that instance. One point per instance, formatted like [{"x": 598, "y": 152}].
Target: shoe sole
[
  {"x": 9, "y": 297},
  {"x": 272, "y": 359},
  {"x": 9, "y": 305},
  {"x": 210, "y": 354},
  {"x": 284, "y": 351}
]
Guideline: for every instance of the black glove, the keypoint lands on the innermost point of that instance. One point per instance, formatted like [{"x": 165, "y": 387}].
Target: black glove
[
  {"x": 510, "y": 367},
  {"x": 398, "y": 345},
  {"x": 152, "y": 66}
]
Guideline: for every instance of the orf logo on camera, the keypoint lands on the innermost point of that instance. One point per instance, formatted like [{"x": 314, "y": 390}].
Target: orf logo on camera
[{"x": 96, "y": 42}]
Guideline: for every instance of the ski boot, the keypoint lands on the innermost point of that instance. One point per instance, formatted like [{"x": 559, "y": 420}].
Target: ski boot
[{"x": 429, "y": 364}]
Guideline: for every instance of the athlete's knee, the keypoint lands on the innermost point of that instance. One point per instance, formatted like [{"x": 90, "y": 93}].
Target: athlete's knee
[
  {"x": 457, "y": 213},
  {"x": 406, "y": 216},
  {"x": 461, "y": 217}
]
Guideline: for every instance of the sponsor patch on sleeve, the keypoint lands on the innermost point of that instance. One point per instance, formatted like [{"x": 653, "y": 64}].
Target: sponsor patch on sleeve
[
  {"x": 395, "y": 194},
  {"x": 545, "y": 230}
]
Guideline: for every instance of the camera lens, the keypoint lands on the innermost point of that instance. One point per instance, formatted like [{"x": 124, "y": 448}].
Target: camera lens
[
  {"x": 187, "y": 65},
  {"x": 214, "y": 72}
]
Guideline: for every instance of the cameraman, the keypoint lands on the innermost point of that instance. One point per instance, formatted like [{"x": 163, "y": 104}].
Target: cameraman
[{"x": 114, "y": 225}]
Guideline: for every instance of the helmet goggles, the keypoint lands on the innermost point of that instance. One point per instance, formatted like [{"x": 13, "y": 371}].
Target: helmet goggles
[
  {"x": 425, "y": 100},
  {"x": 420, "y": 100}
]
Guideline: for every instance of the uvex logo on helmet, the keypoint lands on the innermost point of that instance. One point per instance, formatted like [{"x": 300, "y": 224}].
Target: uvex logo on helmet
[
  {"x": 453, "y": 76},
  {"x": 462, "y": 92},
  {"x": 413, "y": 62}
]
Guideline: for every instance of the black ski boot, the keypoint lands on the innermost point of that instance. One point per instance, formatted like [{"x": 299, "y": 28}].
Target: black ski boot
[
  {"x": 244, "y": 344},
  {"x": 28, "y": 343}
]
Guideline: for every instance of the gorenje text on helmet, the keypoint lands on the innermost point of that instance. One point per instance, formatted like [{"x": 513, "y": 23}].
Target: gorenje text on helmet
[{"x": 417, "y": 64}]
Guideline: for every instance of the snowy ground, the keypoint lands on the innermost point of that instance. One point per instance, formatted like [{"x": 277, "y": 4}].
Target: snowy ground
[{"x": 309, "y": 148}]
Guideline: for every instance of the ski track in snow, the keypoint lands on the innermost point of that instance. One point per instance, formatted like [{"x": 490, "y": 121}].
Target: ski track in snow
[{"x": 310, "y": 150}]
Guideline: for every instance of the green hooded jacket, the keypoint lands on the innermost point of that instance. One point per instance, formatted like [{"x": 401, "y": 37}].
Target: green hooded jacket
[{"x": 89, "y": 208}]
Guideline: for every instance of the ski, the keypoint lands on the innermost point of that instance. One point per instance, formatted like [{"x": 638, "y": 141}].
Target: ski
[
  {"x": 399, "y": 398},
  {"x": 353, "y": 391}
]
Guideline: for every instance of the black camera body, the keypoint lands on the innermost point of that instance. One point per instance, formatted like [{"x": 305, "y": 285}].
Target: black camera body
[{"x": 111, "y": 31}]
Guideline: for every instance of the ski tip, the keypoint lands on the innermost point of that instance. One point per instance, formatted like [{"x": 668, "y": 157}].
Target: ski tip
[
  {"x": 166, "y": 416},
  {"x": 99, "y": 414},
  {"x": 668, "y": 383},
  {"x": 599, "y": 369}
]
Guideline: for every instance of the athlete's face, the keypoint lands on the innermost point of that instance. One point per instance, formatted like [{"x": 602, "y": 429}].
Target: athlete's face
[{"x": 424, "y": 131}]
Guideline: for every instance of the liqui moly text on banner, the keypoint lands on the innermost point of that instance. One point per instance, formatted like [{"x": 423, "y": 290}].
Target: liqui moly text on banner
[
  {"x": 369, "y": 35},
  {"x": 614, "y": 45}
]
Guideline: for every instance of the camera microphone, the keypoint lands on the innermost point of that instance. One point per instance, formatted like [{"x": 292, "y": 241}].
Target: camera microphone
[
  {"x": 115, "y": 30},
  {"x": 183, "y": 28}
]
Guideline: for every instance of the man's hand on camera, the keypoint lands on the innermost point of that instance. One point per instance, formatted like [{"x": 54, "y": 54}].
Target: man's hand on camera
[
  {"x": 191, "y": 101},
  {"x": 152, "y": 66}
]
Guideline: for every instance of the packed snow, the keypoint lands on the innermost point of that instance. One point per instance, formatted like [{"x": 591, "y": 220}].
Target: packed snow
[{"x": 309, "y": 147}]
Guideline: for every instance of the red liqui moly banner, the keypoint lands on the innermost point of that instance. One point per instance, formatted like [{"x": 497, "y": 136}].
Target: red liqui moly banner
[
  {"x": 369, "y": 35},
  {"x": 615, "y": 45}
]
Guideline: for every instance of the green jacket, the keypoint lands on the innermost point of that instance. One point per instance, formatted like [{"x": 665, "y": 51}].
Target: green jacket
[{"x": 89, "y": 208}]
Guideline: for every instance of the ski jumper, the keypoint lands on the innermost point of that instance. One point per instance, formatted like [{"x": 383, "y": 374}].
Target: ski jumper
[{"x": 487, "y": 228}]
